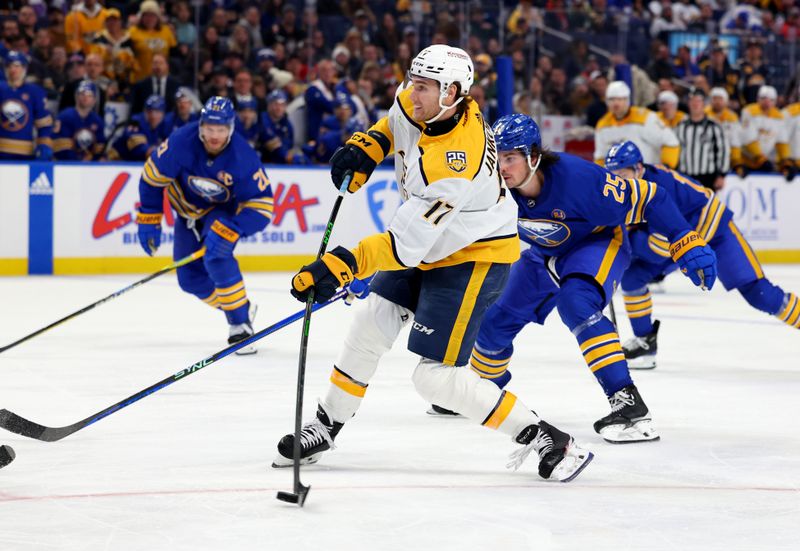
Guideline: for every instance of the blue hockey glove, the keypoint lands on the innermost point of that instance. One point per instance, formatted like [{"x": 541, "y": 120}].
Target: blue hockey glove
[
  {"x": 335, "y": 269},
  {"x": 149, "y": 231},
  {"x": 221, "y": 238},
  {"x": 43, "y": 152},
  {"x": 695, "y": 259},
  {"x": 358, "y": 289}
]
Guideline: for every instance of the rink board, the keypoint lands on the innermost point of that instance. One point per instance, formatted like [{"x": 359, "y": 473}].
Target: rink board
[{"x": 75, "y": 218}]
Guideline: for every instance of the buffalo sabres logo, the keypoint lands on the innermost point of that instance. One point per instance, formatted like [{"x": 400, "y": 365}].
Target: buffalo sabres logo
[
  {"x": 456, "y": 161},
  {"x": 547, "y": 233},
  {"x": 15, "y": 115},
  {"x": 84, "y": 139},
  {"x": 210, "y": 190}
]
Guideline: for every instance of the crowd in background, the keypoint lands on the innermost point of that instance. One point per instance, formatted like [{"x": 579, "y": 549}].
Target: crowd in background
[{"x": 304, "y": 75}]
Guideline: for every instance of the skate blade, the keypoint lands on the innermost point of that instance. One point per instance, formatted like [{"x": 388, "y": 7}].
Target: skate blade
[
  {"x": 281, "y": 462},
  {"x": 639, "y": 431},
  {"x": 573, "y": 464},
  {"x": 642, "y": 362},
  {"x": 453, "y": 415}
]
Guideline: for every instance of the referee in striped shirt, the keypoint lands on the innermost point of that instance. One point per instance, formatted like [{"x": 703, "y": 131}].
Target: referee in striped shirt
[{"x": 705, "y": 153}]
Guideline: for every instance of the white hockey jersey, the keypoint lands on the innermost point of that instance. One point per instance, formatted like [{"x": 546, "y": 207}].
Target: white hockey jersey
[
  {"x": 657, "y": 142},
  {"x": 456, "y": 207},
  {"x": 732, "y": 128},
  {"x": 763, "y": 135},
  {"x": 791, "y": 115}
]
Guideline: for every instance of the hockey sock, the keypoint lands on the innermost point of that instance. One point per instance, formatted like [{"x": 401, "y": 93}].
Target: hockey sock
[
  {"x": 492, "y": 365},
  {"x": 639, "y": 306},
  {"x": 233, "y": 300},
  {"x": 212, "y": 300},
  {"x": 599, "y": 343},
  {"x": 790, "y": 313}
]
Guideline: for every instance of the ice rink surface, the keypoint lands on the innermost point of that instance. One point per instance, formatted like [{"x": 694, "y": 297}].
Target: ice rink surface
[{"x": 188, "y": 467}]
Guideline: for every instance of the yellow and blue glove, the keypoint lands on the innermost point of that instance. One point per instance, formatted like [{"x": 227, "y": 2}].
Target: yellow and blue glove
[
  {"x": 335, "y": 269},
  {"x": 695, "y": 259},
  {"x": 149, "y": 231},
  {"x": 221, "y": 238}
]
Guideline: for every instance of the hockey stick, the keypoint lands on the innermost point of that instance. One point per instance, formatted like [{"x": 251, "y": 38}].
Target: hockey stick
[
  {"x": 177, "y": 264},
  {"x": 301, "y": 491},
  {"x": 19, "y": 425}
]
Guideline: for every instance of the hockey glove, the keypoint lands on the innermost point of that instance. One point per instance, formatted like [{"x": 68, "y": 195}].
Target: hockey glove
[
  {"x": 766, "y": 166},
  {"x": 695, "y": 258},
  {"x": 221, "y": 238},
  {"x": 335, "y": 269},
  {"x": 149, "y": 231},
  {"x": 741, "y": 171},
  {"x": 360, "y": 154},
  {"x": 789, "y": 170},
  {"x": 43, "y": 152},
  {"x": 359, "y": 288}
]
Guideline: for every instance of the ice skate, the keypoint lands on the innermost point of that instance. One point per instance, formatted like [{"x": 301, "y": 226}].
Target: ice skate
[
  {"x": 316, "y": 437},
  {"x": 438, "y": 411},
  {"x": 560, "y": 459},
  {"x": 640, "y": 352},
  {"x": 629, "y": 420},
  {"x": 239, "y": 332}
]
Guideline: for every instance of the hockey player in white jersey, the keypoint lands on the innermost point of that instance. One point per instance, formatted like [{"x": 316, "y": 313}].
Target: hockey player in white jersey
[{"x": 443, "y": 261}]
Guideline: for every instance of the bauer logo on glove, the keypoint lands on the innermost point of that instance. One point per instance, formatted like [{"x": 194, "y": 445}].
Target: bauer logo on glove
[{"x": 695, "y": 258}]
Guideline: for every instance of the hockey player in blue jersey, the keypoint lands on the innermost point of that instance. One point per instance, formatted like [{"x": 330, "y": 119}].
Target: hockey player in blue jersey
[
  {"x": 26, "y": 125},
  {"x": 79, "y": 134},
  {"x": 144, "y": 134},
  {"x": 737, "y": 264},
  {"x": 216, "y": 184},
  {"x": 279, "y": 133},
  {"x": 573, "y": 214},
  {"x": 248, "y": 123},
  {"x": 183, "y": 112}
]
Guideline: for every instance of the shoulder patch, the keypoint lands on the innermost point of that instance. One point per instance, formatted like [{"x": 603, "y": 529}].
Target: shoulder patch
[{"x": 456, "y": 160}]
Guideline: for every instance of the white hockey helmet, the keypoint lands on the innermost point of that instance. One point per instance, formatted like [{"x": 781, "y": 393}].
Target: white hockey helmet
[
  {"x": 618, "y": 89},
  {"x": 446, "y": 65}
]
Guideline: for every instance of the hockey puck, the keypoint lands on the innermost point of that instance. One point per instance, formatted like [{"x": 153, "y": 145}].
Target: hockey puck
[{"x": 7, "y": 455}]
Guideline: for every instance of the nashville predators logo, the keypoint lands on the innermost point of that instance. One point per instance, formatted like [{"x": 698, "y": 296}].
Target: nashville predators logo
[
  {"x": 456, "y": 160},
  {"x": 547, "y": 233},
  {"x": 14, "y": 115},
  {"x": 210, "y": 190}
]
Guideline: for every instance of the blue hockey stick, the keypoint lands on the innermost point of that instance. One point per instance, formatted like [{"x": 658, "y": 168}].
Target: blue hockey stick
[{"x": 19, "y": 425}]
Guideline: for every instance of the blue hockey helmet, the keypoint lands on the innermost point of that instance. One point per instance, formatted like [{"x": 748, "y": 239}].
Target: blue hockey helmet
[
  {"x": 623, "y": 155},
  {"x": 13, "y": 56},
  {"x": 86, "y": 86},
  {"x": 218, "y": 110},
  {"x": 247, "y": 103},
  {"x": 155, "y": 103},
  {"x": 517, "y": 133},
  {"x": 277, "y": 95}
]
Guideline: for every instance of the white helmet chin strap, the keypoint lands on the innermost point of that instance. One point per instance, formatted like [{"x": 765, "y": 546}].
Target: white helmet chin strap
[
  {"x": 442, "y": 107},
  {"x": 532, "y": 168}
]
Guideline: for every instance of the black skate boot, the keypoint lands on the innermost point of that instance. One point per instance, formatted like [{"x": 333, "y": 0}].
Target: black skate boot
[
  {"x": 560, "y": 459},
  {"x": 640, "y": 352},
  {"x": 629, "y": 420},
  {"x": 316, "y": 437},
  {"x": 241, "y": 331},
  {"x": 438, "y": 411}
]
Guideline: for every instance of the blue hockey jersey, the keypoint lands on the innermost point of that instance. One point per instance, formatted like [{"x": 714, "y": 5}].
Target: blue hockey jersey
[
  {"x": 172, "y": 121},
  {"x": 579, "y": 198},
  {"x": 76, "y": 138},
  {"x": 279, "y": 139},
  {"x": 233, "y": 181},
  {"x": 138, "y": 140},
  {"x": 698, "y": 204},
  {"x": 23, "y": 118},
  {"x": 255, "y": 135}
]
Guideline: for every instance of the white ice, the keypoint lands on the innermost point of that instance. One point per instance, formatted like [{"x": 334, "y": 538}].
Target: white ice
[{"x": 188, "y": 467}]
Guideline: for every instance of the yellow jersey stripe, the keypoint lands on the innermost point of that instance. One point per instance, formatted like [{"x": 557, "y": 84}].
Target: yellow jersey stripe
[
  {"x": 635, "y": 299},
  {"x": 602, "y": 351},
  {"x": 601, "y": 339},
  {"x": 233, "y": 306},
  {"x": 232, "y": 289},
  {"x": 501, "y": 410},
  {"x": 474, "y": 285},
  {"x": 609, "y": 256},
  {"x": 751, "y": 257},
  {"x": 483, "y": 368},
  {"x": 350, "y": 386},
  {"x": 600, "y": 364},
  {"x": 489, "y": 361}
]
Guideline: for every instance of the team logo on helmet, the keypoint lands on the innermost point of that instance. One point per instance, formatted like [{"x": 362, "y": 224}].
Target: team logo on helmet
[
  {"x": 15, "y": 115},
  {"x": 547, "y": 233},
  {"x": 210, "y": 190},
  {"x": 456, "y": 161}
]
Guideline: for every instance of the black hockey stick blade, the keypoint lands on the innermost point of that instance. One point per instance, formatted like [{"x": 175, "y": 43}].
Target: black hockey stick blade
[{"x": 298, "y": 498}]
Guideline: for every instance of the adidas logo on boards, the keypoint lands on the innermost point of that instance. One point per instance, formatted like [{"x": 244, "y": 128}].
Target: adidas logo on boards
[{"x": 41, "y": 185}]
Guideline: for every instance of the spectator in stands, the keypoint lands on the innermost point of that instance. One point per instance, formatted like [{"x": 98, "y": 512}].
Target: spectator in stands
[
  {"x": 556, "y": 94},
  {"x": 279, "y": 134},
  {"x": 240, "y": 42},
  {"x": 145, "y": 132},
  {"x": 82, "y": 23},
  {"x": 115, "y": 47},
  {"x": 388, "y": 36},
  {"x": 668, "y": 112},
  {"x": 56, "y": 27},
  {"x": 211, "y": 47},
  {"x": 55, "y": 71},
  {"x": 185, "y": 31},
  {"x": 598, "y": 84},
  {"x": 151, "y": 36},
  {"x": 28, "y": 23},
  {"x": 319, "y": 97},
  {"x": 26, "y": 126},
  {"x": 705, "y": 153},
  {"x": 665, "y": 22},
  {"x": 753, "y": 73},
  {"x": 524, "y": 11},
  {"x": 79, "y": 133},
  {"x": 288, "y": 31},
  {"x": 248, "y": 123},
  {"x": 719, "y": 112},
  {"x": 251, "y": 21},
  {"x": 719, "y": 72},
  {"x": 243, "y": 89},
  {"x": 684, "y": 67},
  {"x": 685, "y": 13},
  {"x": 159, "y": 83},
  {"x": 660, "y": 67},
  {"x": 94, "y": 73},
  {"x": 764, "y": 134},
  {"x": 790, "y": 30},
  {"x": 184, "y": 111}
]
